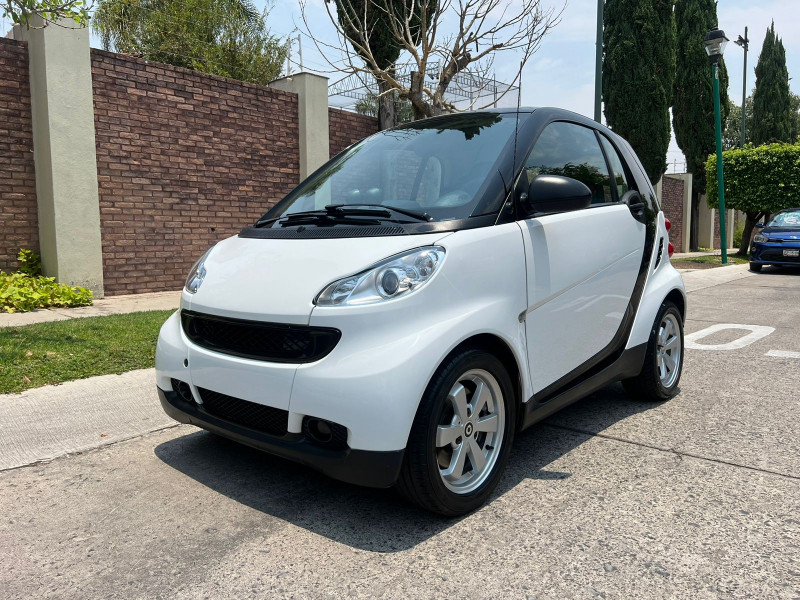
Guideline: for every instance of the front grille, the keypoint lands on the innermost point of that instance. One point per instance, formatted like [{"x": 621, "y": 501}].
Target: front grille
[
  {"x": 776, "y": 254},
  {"x": 267, "y": 419},
  {"x": 274, "y": 342}
]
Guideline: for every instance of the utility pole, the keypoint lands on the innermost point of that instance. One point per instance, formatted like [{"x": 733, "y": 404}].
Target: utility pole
[
  {"x": 598, "y": 63},
  {"x": 744, "y": 42}
]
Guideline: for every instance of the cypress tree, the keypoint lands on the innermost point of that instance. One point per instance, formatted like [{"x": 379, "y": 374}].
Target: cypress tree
[
  {"x": 772, "y": 105},
  {"x": 665, "y": 45},
  {"x": 638, "y": 66},
  {"x": 693, "y": 101}
]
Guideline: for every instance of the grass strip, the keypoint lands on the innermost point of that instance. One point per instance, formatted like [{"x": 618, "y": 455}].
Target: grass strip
[{"x": 58, "y": 351}]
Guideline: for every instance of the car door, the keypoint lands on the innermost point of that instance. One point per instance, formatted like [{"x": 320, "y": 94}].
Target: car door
[{"x": 582, "y": 265}]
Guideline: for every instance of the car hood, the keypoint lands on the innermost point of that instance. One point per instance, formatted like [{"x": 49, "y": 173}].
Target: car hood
[
  {"x": 277, "y": 280},
  {"x": 782, "y": 232}
]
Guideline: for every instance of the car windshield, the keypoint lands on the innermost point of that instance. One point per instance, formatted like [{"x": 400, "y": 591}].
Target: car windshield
[
  {"x": 790, "y": 218},
  {"x": 435, "y": 167}
]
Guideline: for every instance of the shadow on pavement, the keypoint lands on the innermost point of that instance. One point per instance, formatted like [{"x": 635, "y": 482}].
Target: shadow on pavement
[
  {"x": 364, "y": 518},
  {"x": 780, "y": 269}
]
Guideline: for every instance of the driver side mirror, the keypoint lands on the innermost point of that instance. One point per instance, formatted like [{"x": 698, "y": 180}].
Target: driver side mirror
[
  {"x": 555, "y": 193},
  {"x": 760, "y": 225}
]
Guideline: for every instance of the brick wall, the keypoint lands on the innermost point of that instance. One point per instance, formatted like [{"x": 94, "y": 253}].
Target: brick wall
[
  {"x": 672, "y": 205},
  {"x": 184, "y": 159},
  {"x": 18, "y": 212},
  {"x": 347, "y": 128}
]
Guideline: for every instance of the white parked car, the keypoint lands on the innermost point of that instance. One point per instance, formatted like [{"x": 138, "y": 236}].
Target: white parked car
[{"x": 425, "y": 295}]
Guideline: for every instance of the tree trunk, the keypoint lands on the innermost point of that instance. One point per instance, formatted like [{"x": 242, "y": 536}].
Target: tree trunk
[
  {"x": 417, "y": 103},
  {"x": 750, "y": 219},
  {"x": 386, "y": 113},
  {"x": 694, "y": 230}
]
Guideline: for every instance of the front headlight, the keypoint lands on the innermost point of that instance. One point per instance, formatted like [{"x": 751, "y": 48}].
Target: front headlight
[
  {"x": 197, "y": 273},
  {"x": 398, "y": 275},
  {"x": 760, "y": 238}
]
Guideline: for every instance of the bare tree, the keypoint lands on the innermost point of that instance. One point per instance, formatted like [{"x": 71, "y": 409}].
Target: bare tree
[{"x": 442, "y": 42}]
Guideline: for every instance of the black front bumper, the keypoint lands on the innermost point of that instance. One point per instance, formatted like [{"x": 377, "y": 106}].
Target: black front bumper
[{"x": 361, "y": 467}]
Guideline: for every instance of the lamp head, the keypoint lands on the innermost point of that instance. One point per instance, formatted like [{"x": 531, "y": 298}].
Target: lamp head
[{"x": 715, "y": 42}]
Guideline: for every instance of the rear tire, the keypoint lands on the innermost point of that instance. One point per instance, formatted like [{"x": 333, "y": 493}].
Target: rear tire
[
  {"x": 663, "y": 361},
  {"x": 755, "y": 267},
  {"x": 461, "y": 436}
]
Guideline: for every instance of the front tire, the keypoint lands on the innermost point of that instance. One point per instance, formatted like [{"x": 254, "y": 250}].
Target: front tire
[
  {"x": 461, "y": 436},
  {"x": 755, "y": 267},
  {"x": 663, "y": 361}
]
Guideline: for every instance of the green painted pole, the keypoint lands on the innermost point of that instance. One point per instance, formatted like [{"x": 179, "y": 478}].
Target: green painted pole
[
  {"x": 723, "y": 237},
  {"x": 746, "y": 44}
]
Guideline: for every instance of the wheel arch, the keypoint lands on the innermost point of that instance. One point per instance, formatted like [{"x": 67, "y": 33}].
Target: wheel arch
[
  {"x": 498, "y": 347},
  {"x": 677, "y": 297}
]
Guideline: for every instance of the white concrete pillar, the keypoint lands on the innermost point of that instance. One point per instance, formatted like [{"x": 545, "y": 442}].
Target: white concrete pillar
[
  {"x": 312, "y": 113},
  {"x": 62, "y": 113},
  {"x": 705, "y": 224},
  {"x": 730, "y": 225}
]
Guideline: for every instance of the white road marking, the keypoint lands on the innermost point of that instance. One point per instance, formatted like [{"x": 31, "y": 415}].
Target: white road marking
[
  {"x": 756, "y": 333},
  {"x": 783, "y": 354}
]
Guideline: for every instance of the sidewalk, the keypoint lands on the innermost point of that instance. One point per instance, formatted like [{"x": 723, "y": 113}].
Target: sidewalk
[
  {"x": 51, "y": 421},
  {"x": 113, "y": 305},
  {"x": 680, "y": 255}
]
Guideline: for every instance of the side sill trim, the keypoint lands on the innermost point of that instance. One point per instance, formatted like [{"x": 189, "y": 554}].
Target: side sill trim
[{"x": 629, "y": 364}]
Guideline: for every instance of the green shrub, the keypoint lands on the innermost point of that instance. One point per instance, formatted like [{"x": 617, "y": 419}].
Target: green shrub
[
  {"x": 737, "y": 235},
  {"x": 757, "y": 178},
  {"x": 27, "y": 290},
  {"x": 30, "y": 263}
]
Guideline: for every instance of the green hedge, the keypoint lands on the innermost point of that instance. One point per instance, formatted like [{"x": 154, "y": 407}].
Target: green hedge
[
  {"x": 27, "y": 290},
  {"x": 757, "y": 178}
]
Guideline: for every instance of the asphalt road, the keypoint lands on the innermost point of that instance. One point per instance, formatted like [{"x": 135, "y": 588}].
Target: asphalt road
[{"x": 698, "y": 497}]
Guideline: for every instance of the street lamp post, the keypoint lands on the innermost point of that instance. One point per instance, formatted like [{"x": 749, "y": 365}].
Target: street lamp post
[
  {"x": 715, "y": 42},
  {"x": 598, "y": 63},
  {"x": 744, "y": 42}
]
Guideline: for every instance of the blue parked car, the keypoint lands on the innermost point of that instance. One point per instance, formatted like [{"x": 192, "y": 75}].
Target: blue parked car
[{"x": 778, "y": 243}]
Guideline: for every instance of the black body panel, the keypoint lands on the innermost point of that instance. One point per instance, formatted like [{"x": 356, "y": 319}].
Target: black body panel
[{"x": 361, "y": 467}]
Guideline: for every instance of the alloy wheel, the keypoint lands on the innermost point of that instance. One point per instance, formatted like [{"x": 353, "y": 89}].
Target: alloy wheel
[
  {"x": 668, "y": 350},
  {"x": 469, "y": 436}
]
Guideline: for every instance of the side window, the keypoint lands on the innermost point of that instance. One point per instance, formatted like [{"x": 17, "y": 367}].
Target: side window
[
  {"x": 572, "y": 151},
  {"x": 616, "y": 167}
]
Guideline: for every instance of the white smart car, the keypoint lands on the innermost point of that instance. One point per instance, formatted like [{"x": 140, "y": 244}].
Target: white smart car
[{"x": 429, "y": 292}]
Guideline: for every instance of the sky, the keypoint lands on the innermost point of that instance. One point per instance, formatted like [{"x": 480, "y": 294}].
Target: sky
[{"x": 561, "y": 73}]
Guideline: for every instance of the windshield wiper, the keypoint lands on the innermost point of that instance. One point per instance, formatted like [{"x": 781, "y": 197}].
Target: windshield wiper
[
  {"x": 419, "y": 216},
  {"x": 332, "y": 212},
  {"x": 344, "y": 213}
]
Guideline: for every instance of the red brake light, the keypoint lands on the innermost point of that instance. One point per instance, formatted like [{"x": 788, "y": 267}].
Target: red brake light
[
  {"x": 670, "y": 249},
  {"x": 668, "y": 224}
]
